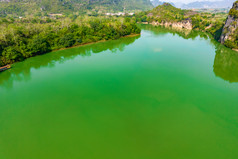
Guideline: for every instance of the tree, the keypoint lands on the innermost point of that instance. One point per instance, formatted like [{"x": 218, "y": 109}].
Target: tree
[
  {"x": 67, "y": 40},
  {"x": 10, "y": 55},
  {"x": 39, "y": 45}
]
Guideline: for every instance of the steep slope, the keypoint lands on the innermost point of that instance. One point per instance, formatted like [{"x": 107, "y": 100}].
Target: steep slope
[{"x": 229, "y": 35}]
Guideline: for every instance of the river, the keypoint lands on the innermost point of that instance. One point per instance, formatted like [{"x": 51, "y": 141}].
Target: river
[{"x": 162, "y": 95}]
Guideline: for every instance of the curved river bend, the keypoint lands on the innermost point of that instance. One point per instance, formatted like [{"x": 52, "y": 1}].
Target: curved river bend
[{"x": 161, "y": 95}]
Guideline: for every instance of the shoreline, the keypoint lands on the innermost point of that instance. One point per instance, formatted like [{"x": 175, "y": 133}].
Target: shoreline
[
  {"x": 147, "y": 23},
  {"x": 131, "y": 35}
]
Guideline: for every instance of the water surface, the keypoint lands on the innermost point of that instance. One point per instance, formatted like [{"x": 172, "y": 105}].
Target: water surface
[{"x": 162, "y": 95}]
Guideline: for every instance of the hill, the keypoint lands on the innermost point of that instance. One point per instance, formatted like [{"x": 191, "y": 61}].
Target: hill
[
  {"x": 167, "y": 13},
  {"x": 29, "y": 7},
  {"x": 170, "y": 16}
]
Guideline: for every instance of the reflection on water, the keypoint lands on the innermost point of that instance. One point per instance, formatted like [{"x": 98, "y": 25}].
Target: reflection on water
[
  {"x": 186, "y": 34},
  {"x": 226, "y": 60},
  {"x": 158, "y": 96},
  {"x": 22, "y": 71},
  {"x": 225, "y": 64}
]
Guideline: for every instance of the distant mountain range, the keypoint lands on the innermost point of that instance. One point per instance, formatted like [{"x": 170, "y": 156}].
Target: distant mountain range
[
  {"x": 198, "y": 4},
  {"x": 208, "y": 4}
]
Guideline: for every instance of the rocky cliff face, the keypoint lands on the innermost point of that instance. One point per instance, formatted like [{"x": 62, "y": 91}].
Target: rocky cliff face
[
  {"x": 230, "y": 31},
  {"x": 185, "y": 24}
]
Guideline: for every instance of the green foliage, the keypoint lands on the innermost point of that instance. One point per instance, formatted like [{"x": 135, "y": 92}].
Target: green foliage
[
  {"x": 20, "y": 39},
  {"x": 34, "y": 7},
  {"x": 164, "y": 13},
  {"x": 230, "y": 44},
  {"x": 67, "y": 40},
  {"x": 233, "y": 12},
  {"x": 204, "y": 21},
  {"x": 216, "y": 29},
  {"x": 141, "y": 17},
  {"x": 10, "y": 55},
  {"x": 39, "y": 45}
]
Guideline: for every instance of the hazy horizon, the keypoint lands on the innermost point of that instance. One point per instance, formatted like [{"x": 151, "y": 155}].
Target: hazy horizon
[{"x": 187, "y": 1}]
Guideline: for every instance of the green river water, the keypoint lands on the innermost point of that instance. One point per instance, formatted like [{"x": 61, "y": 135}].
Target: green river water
[{"x": 161, "y": 95}]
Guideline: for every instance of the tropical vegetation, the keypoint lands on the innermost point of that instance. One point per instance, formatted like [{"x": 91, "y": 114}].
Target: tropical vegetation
[
  {"x": 24, "y": 38},
  {"x": 34, "y": 7}
]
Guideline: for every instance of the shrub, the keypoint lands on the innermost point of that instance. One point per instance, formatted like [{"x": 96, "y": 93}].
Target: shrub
[{"x": 234, "y": 12}]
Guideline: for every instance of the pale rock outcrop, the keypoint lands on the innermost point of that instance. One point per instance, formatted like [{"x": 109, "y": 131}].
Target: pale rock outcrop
[{"x": 186, "y": 24}]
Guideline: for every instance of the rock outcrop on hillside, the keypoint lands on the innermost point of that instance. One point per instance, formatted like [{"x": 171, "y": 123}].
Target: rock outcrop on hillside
[
  {"x": 229, "y": 34},
  {"x": 169, "y": 16},
  {"x": 185, "y": 24}
]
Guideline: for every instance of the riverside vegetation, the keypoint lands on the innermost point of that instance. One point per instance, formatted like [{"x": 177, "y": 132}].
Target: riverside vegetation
[
  {"x": 24, "y": 38},
  {"x": 203, "y": 21}
]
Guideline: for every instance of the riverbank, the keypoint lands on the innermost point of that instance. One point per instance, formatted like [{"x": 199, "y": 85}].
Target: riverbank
[
  {"x": 40, "y": 38},
  {"x": 185, "y": 30},
  {"x": 100, "y": 41},
  {"x": 127, "y": 36}
]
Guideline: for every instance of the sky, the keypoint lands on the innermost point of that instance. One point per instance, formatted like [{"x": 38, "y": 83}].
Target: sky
[{"x": 186, "y": 1}]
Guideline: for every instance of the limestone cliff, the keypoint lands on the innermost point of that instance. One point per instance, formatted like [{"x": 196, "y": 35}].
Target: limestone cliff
[
  {"x": 229, "y": 35},
  {"x": 169, "y": 16},
  {"x": 185, "y": 24}
]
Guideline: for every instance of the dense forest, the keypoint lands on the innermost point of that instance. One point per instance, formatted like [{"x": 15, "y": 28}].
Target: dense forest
[
  {"x": 61, "y": 56},
  {"x": 24, "y": 38},
  {"x": 31, "y": 7}
]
